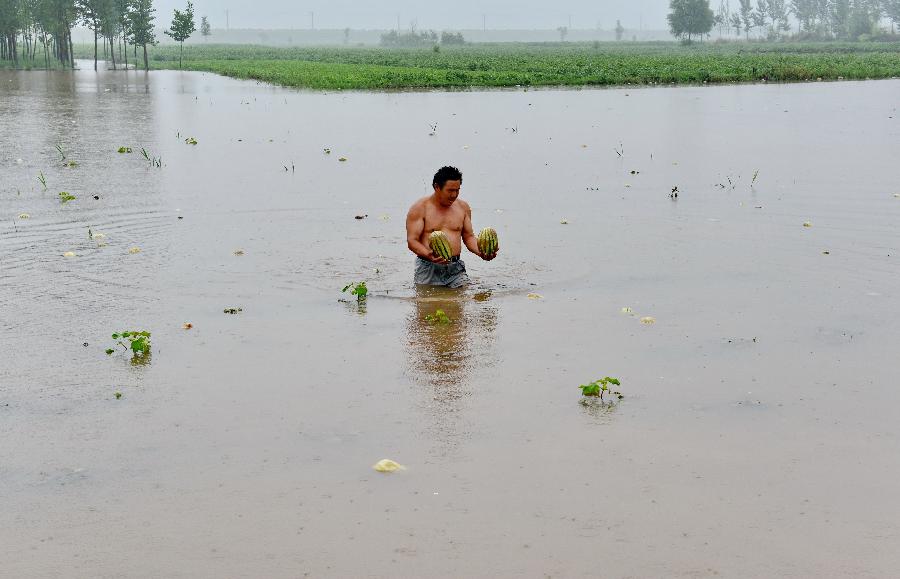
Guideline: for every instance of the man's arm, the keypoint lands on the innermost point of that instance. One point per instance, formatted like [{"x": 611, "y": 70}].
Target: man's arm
[
  {"x": 415, "y": 225},
  {"x": 468, "y": 236}
]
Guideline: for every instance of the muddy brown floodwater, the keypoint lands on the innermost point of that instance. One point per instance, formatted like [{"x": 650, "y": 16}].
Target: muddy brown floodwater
[{"x": 760, "y": 431}]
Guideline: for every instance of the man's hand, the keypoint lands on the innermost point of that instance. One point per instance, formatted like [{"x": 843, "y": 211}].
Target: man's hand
[
  {"x": 435, "y": 258},
  {"x": 489, "y": 257}
]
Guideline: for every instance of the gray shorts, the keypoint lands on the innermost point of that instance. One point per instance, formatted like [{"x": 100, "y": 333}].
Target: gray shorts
[{"x": 451, "y": 275}]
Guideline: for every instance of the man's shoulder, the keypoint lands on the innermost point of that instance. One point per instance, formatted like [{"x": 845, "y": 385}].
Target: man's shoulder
[
  {"x": 418, "y": 206},
  {"x": 464, "y": 204}
]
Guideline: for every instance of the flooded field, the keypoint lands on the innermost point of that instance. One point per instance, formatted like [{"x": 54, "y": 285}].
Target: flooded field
[{"x": 758, "y": 436}]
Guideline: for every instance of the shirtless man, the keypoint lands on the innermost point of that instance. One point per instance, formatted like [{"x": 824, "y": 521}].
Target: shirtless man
[{"x": 442, "y": 211}]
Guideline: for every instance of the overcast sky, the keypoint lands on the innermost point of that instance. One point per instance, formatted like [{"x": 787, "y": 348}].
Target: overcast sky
[{"x": 435, "y": 15}]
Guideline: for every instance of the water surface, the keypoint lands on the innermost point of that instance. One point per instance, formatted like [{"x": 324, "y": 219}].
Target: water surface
[{"x": 758, "y": 436}]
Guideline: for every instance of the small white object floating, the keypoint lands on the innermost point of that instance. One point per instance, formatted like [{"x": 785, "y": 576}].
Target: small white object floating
[
  {"x": 134, "y": 250},
  {"x": 648, "y": 320},
  {"x": 69, "y": 254},
  {"x": 24, "y": 216}
]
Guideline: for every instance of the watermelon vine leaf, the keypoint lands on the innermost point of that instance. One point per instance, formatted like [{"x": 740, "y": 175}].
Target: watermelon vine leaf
[
  {"x": 358, "y": 289},
  {"x": 600, "y": 388}
]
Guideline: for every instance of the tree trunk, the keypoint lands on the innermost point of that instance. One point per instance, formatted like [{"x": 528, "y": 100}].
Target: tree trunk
[
  {"x": 181, "y": 54},
  {"x": 125, "y": 53},
  {"x": 112, "y": 52},
  {"x": 95, "y": 46},
  {"x": 146, "y": 63}
]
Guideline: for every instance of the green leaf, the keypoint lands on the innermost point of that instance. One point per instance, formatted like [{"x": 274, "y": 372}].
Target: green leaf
[
  {"x": 614, "y": 381},
  {"x": 346, "y": 287},
  {"x": 109, "y": 351},
  {"x": 115, "y": 336},
  {"x": 138, "y": 345}
]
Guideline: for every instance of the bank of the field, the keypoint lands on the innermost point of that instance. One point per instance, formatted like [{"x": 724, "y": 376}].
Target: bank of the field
[{"x": 566, "y": 64}]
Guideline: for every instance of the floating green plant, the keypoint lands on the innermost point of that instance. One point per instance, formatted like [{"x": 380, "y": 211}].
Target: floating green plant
[
  {"x": 138, "y": 342},
  {"x": 65, "y": 197},
  {"x": 439, "y": 317},
  {"x": 600, "y": 388},
  {"x": 42, "y": 180},
  {"x": 124, "y": 149},
  {"x": 357, "y": 289}
]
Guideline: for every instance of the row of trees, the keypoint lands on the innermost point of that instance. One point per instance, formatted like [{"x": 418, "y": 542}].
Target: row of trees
[
  {"x": 414, "y": 38},
  {"x": 822, "y": 19},
  {"x": 841, "y": 19},
  {"x": 33, "y": 29}
]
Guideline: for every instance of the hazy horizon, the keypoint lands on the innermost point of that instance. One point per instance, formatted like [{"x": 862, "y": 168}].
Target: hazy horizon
[{"x": 464, "y": 14}]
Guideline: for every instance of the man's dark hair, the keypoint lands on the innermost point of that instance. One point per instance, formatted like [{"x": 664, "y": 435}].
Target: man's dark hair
[{"x": 445, "y": 174}]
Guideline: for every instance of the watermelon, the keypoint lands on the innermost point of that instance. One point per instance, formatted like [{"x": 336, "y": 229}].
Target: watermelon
[
  {"x": 440, "y": 245},
  {"x": 487, "y": 241}
]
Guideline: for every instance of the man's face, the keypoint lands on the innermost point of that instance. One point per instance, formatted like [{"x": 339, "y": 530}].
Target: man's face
[{"x": 447, "y": 194}]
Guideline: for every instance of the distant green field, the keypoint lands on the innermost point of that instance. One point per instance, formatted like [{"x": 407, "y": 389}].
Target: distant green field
[{"x": 565, "y": 64}]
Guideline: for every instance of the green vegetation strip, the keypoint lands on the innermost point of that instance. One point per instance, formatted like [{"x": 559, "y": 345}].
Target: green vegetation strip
[
  {"x": 537, "y": 64},
  {"x": 566, "y": 64}
]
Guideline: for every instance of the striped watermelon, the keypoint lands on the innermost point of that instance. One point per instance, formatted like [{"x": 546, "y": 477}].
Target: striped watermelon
[
  {"x": 487, "y": 241},
  {"x": 440, "y": 245}
]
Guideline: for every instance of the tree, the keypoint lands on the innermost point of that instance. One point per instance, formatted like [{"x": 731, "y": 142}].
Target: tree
[
  {"x": 864, "y": 17},
  {"x": 563, "y": 32},
  {"x": 141, "y": 17},
  {"x": 838, "y": 12},
  {"x": 723, "y": 16},
  {"x": 735, "y": 22},
  {"x": 620, "y": 30},
  {"x": 346, "y": 35},
  {"x": 90, "y": 13},
  {"x": 690, "y": 17},
  {"x": 182, "y": 28},
  {"x": 452, "y": 38},
  {"x": 746, "y": 12},
  {"x": 805, "y": 13},
  {"x": 892, "y": 11},
  {"x": 205, "y": 28}
]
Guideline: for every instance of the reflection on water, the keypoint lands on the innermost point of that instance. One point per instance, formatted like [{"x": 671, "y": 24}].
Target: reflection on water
[
  {"x": 442, "y": 353},
  {"x": 444, "y": 348}
]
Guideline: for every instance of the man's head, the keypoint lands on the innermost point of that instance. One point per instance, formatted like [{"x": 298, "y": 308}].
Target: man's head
[{"x": 447, "y": 182}]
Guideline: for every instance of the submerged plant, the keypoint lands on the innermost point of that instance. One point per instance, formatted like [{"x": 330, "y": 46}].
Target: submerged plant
[
  {"x": 124, "y": 150},
  {"x": 357, "y": 289},
  {"x": 62, "y": 153},
  {"x": 65, "y": 197},
  {"x": 138, "y": 342},
  {"x": 154, "y": 161},
  {"x": 600, "y": 388},
  {"x": 42, "y": 180},
  {"x": 191, "y": 141},
  {"x": 439, "y": 317}
]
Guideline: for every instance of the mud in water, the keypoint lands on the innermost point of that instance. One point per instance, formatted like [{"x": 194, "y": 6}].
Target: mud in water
[{"x": 758, "y": 436}]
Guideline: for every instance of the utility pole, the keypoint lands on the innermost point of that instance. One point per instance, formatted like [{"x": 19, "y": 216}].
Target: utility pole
[
  {"x": 312, "y": 20},
  {"x": 398, "y": 23},
  {"x": 484, "y": 22},
  {"x": 226, "y": 19},
  {"x": 570, "y": 22}
]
